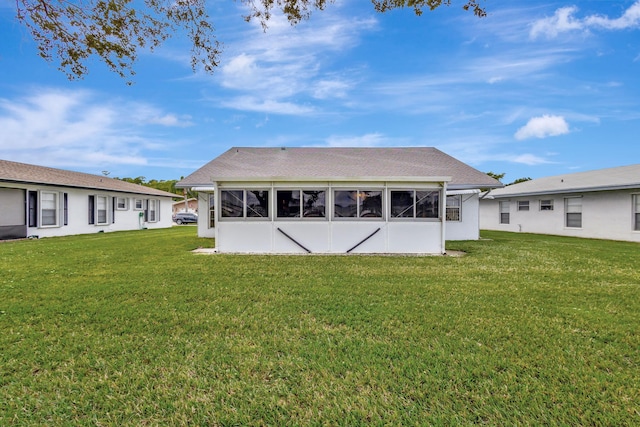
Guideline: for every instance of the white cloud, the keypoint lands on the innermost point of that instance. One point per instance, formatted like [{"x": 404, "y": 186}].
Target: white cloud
[
  {"x": 256, "y": 104},
  {"x": 542, "y": 127},
  {"x": 529, "y": 159},
  {"x": 563, "y": 20},
  {"x": 284, "y": 62},
  {"x": 75, "y": 128}
]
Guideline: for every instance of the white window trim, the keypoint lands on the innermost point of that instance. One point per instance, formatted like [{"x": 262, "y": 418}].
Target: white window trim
[
  {"x": 135, "y": 204},
  {"x": 566, "y": 212},
  {"x": 522, "y": 207},
  {"x": 502, "y": 203},
  {"x": 58, "y": 209},
  {"x": 156, "y": 210},
  {"x": 107, "y": 210},
  {"x": 126, "y": 203},
  {"x": 550, "y": 204},
  {"x": 458, "y": 207}
]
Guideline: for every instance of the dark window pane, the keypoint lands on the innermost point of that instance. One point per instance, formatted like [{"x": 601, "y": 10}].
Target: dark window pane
[
  {"x": 314, "y": 204},
  {"x": 637, "y": 221},
  {"x": 33, "y": 208},
  {"x": 231, "y": 203},
  {"x": 427, "y": 204},
  {"x": 212, "y": 211},
  {"x": 288, "y": 203},
  {"x": 257, "y": 204},
  {"x": 402, "y": 204},
  {"x": 370, "y": 204},
  {"x": 345, "y": 204},
  {"x": 504, "y": 218}
]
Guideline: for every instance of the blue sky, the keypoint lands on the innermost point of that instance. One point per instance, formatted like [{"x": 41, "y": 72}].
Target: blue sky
[{"x": 534, "y": 89}]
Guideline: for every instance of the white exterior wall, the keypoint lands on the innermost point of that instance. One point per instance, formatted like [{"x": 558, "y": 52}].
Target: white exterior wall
[
  {"x": 327, "y": 235},
  {"x": 468, "y": 228},
  {"x": 78, "y": 208},
  {"x": 204, "y": 228},
  {"x": 605, "y": 215}
]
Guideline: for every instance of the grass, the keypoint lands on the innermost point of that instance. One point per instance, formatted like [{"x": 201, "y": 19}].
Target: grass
[{"x": 132, "y": 329}]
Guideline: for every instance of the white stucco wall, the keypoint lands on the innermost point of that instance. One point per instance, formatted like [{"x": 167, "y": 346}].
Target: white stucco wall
[
  {"x": 468, "y": 228},
  {"x": 605, "y": 215},
  {"x": 78, "y": 216},
  {"x": 325, "y": 235}
]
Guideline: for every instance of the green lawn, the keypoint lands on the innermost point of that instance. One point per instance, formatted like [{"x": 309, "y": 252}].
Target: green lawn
[{"x": 132, "y": 329}]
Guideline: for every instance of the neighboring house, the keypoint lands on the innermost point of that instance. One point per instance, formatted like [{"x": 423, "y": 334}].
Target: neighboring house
[
  {"x": 43, "y": 202},
  {"x": 337, "y": 200},
  {"x": 191, "y": 205},
  {"x": 601, "y": 204}
]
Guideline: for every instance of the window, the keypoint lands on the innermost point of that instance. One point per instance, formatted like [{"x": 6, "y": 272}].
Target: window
[
  {"x": 357, "y": 204},
  {"x": 33, "y": 208},
  {"x": 573, "y": 212},
  {"x": 504, "y": 212},
  {"x": 414, "y": 204},
  {"x": 122, "y": 203},
  {"x": 301, "y": 203},
  {"x": 454, "y": 203},
  {"x": 48, "y": 209},
  {"x": 244, "y": 203},
  {"x": 546, "y": 205},
  {"x": 138, "y": 205},
  {"x": 101, "y": 210},
  {"x": 523, "y": 205},
  {"x": 212, "y": 211},
  {"x": 153, "y": 214},
  {"x": 636, "y": 212}
]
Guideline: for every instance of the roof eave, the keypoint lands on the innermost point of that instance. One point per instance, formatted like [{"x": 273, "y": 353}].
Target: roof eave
[{"x": 569, "y": 191}]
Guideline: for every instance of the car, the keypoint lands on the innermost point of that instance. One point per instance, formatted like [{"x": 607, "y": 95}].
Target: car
[{"x": 185, "y": 218}]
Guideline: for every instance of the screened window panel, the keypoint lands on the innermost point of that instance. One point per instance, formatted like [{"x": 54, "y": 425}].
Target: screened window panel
[
  {"x": 370, "y": 204},
  {"x": 636, "y": 204},
  {"x": 637, "y": 225},
  {"x": 504, "y": 212},
  {"x": 402, "y": 204},
  {"x": 231, "y": 203},
  {"x": 427, "y": 204},
  {"x": 314, "y": 204},
  {"x": 288, "y": 203},
  {"x": 257, "y": 204},
  {"x": 153, "y": 211},
  {"x": 523, "y": 205},
  {"x": 345, "y": 203},
  {"x": 546, "y": 205}
]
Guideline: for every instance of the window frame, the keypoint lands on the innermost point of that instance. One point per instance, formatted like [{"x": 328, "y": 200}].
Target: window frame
[
  {"x": 358, "y": 191},
  {"x": 523, "y": 205},
  {"x": 98, "y": 220},
  {"x": 245, "y": 207},
  {"x": 546, "y": 205},
  {"x": 212, "y": 210},
  {"x": 135, "y": 204},
  {"x": 415, "y": 204},
  {"x": 567, "y": 205},
  {"x": 41, "y": 208},
  {"x": 117, "y": 203},
  {"x": 301, "y": 208},
  {"x": 458, "y": 208},
  {"x": 502, "y": 219},
  {"x": 153, "y": 210}
]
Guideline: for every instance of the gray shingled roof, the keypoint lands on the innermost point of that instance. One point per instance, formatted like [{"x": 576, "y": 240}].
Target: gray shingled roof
[
  {"x": 623, "y": 177},
  {"x": 32, "y": 174},
  {"x": 244, "y": 163}
]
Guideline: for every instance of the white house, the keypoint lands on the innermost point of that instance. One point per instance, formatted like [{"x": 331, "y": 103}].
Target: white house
[
  {"x": 43, "y": 202},
  {"x": 600, "y": 204},
  {"x": 337, "y": 200}
]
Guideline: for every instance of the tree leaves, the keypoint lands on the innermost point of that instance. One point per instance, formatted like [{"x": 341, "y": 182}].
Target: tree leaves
[{"x": 116, "y": 30}]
